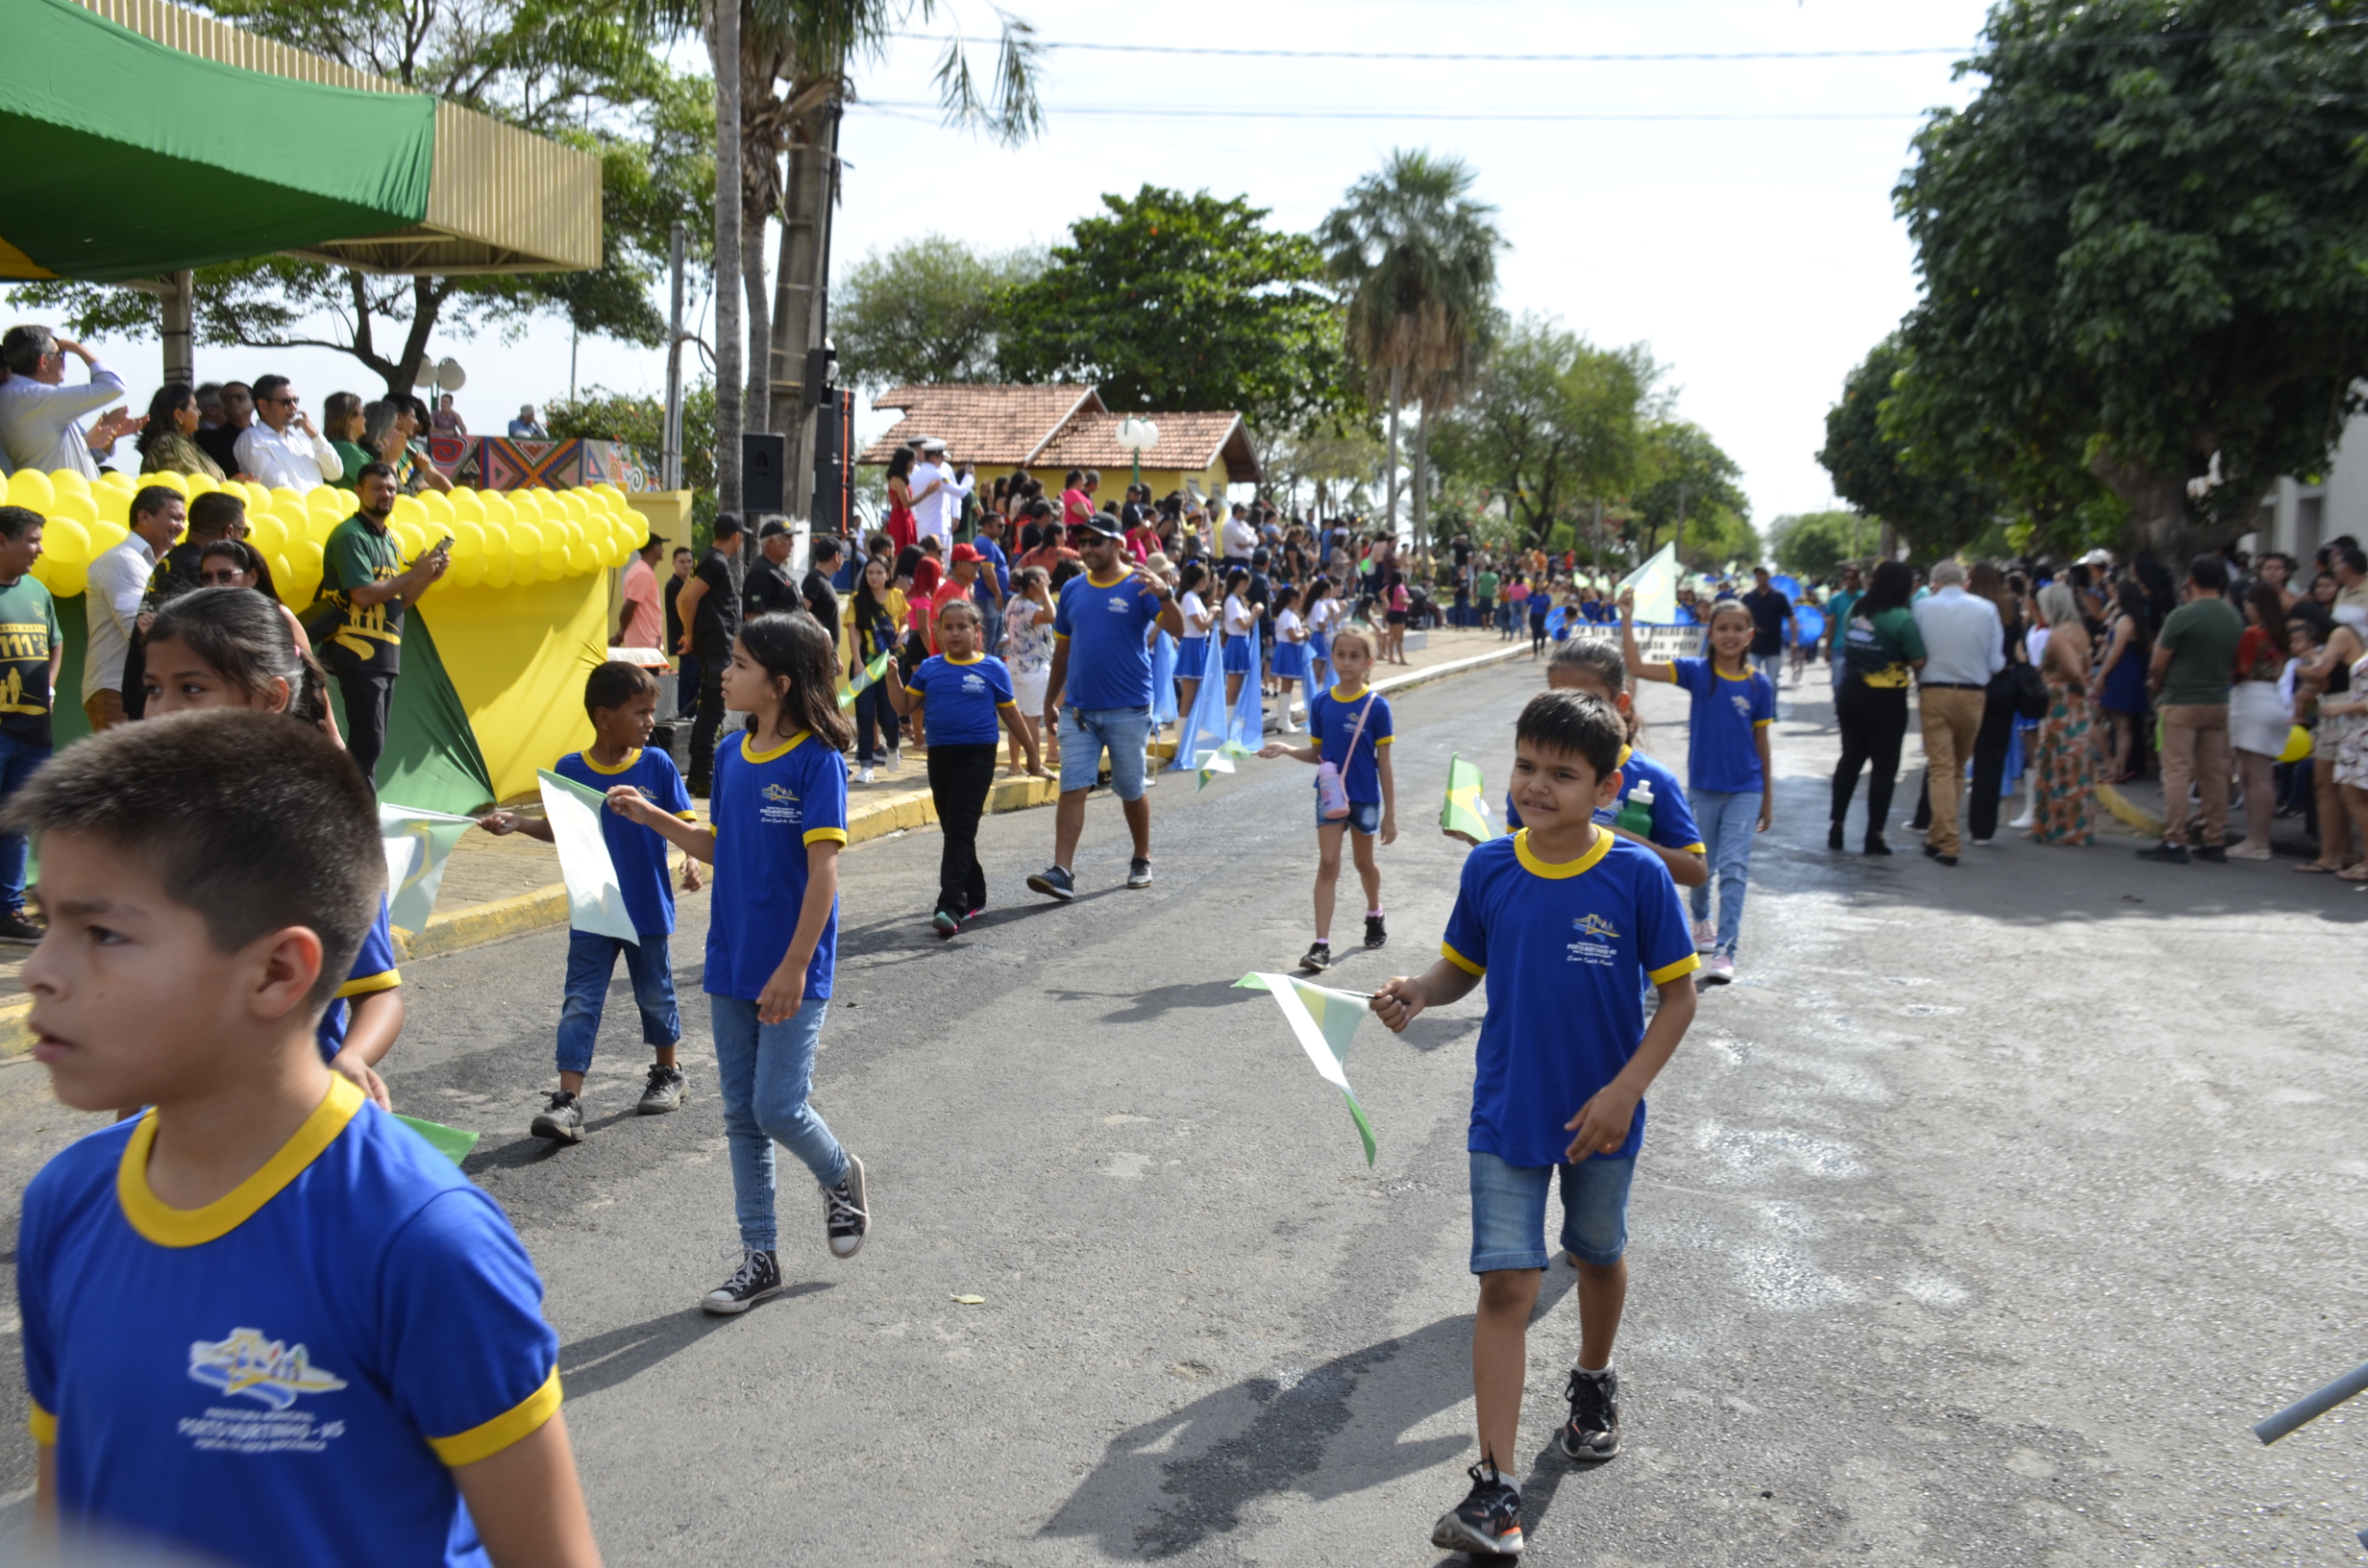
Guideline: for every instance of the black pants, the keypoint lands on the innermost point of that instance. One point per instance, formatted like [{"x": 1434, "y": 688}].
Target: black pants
[
  {"x": 1874, "y": 722},
  {"x": 710, "y": 720},
  {"x": 959, "y": 780},
  {"x": 1990, "y": 765},
  {"x": 369, "y": 700},
  {"x": 875, "y": 725}
]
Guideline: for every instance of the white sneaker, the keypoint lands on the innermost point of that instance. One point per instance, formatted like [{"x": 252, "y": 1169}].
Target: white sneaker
[
  {"x": 1720, "y": 971},
  {"x": 863, "y": 776},
  {"x": 2025, "y": 822},
  {"x": 1705, "y": 936}
]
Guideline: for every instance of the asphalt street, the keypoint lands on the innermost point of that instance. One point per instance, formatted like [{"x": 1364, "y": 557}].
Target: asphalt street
[{"x": 1974, "y": 1225}]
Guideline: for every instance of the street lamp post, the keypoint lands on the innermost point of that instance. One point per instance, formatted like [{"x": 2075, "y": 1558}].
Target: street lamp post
[{"x": 1137, "y": 436}]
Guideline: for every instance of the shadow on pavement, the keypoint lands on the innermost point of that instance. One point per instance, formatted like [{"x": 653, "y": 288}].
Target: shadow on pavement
[
  {"x": 1150, "y": 1006},
  {"x": 621, "y": 1355}
]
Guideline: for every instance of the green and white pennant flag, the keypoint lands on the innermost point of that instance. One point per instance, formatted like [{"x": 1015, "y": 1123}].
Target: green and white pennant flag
[
  {"x": 595, "y": 901},
  {"x": 417, "y": 843},
  {"x": 1323, "y": 1021},
  {"x": 870, "y": 674},
  {"x": 1465, "y": 813}
]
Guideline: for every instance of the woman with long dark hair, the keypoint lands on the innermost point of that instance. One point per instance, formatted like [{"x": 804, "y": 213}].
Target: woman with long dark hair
[
  {"x": 2259, "y": 718},
  {"x": 902, "y": 527},
  {"x": 874, "y": 616},
  {"x": 2121, "y": 676},
  {"x": 167, "y": 442},
  {"x": 1881, "y": 649}
]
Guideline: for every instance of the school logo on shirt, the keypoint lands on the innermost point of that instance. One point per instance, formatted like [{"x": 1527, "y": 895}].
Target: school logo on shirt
[
  {"x": 780, "y": 805},
  {"x": 1116, "y": 603},
  {"x": 1595, "y": 938},
  {"x": 1742, "y": 704},
  {"x": 268, "y": 1371}
]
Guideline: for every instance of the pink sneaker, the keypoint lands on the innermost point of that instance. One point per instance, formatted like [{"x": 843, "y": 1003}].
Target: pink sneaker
[
  {"x": 1705, "y": 936},
  {"x": 1720, "y": 971}
]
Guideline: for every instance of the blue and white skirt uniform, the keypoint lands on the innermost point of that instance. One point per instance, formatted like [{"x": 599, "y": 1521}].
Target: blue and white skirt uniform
[
  {"x": 1192, "y": 655},
  {"x": 1319, "y": 647},
  {"x": 1290, "y": 661},
  {"x": 1241, "y": 652}
]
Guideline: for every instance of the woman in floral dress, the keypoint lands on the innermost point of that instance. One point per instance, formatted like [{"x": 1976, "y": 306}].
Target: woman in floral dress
[{"x": 2063, "y": 779}]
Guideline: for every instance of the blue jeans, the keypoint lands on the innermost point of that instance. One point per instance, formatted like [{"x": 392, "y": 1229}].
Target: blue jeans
[
  {"x": 591, "y": 960},
  {"x": 1728, "y": 822},
  {"x": 1507, "y": 1210},
  {"x": 19, "y": 761},
  {"x": 764, "y": 1072},
  {"x": 1085, "y": 731},
  {"x": 1772, "y": 666},
  {"x": 686, "y": 685}
]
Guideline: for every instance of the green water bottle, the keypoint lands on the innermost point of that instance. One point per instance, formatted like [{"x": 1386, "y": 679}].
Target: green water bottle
[{"x": 1636, "y": 813}]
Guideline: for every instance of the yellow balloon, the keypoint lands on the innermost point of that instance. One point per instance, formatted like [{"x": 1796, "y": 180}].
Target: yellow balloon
[
  {"x": 573, "y": 504},
  {"x": 284, "y": 580},
  {"x": 319, "y": 527},
  {"x": 203, "y": 484},
  {"x": 114, "y": 505},
  {"x": 526, "y": 538},
  {"x": 500, "y": 509},
  {"x": 413, "y": 538},
  {"x": 69, "y": 482},
  {"x": 466, "y": 573},
  {"x": 467, "y": 504},
  {"x": 106, "y": 536},
  {"x": 267, "y": 532},
  {"x": 67, "y": 581},
  {"x": 497, "y": 544},
  {"x": 554, "y": 559},
  {"x": 407, "y": 509},
  {"x": 164, "y": 477},
  {"x": 115, "y": 478},
  {"x": 581, "y": 559},
  {"x": 31, "y": 488},
  {"x": 76, "y": 506},
  {"x": 65, "y": 542},
  {"x": 500, "y": 571},
  {"x": 468, "y": 541},
  {"x": 348, "y": 503},
  {"x": 440, "y": 508}
]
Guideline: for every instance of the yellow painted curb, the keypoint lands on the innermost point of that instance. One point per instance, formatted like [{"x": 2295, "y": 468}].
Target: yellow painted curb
[
  {"x": 2127, "y": 812},
  {"x": 16, "y": 1039}
]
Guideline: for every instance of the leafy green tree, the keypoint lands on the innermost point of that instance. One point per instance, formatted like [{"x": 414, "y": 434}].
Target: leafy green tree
[
  {"x": 1417, "y": 257},
  {"x": 637, "y": 420},
  {"x": 1682, "y": 470},
  {"x": 2144, "y": 246},
  {"x": 566, "y": 70},
  {"x": 927, "y": 310},
  {"x": 1925, "y": 498},
  {"x": 1169, "y": 301},
  {"x": 1812, "y": 543},
  {"x": 1553, "y": 424}
]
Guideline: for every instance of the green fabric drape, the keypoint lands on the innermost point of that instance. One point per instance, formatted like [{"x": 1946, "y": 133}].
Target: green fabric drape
[{"x": 431, "y": 759}]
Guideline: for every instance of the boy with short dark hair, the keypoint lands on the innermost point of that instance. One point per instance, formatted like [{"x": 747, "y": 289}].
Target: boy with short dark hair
[
  {"x": 622, "y": 700},
  {"x": 264, "y": 1323},
  {"x": 1567, "y": 921}
]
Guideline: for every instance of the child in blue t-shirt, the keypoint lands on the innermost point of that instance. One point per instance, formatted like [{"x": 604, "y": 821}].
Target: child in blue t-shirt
[
  {"x": 622, "y": 700},
  {"x": 967, "y": 694},
  {"x": 1352, "y": 730},
  {"x": 1565, "y": 922},
  {"x": 776, "y": 821},
  {"x": 264, "y": 1322},
  {"x": 1727, "y": 769},
  {"x": 1597, "y": 671}
]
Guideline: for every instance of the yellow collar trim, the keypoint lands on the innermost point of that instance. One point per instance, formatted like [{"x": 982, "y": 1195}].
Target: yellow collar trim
[
  {"x": 1557, "y": 870},
  {"x": 1097, "y": 582},
  {"x": 631, "y": 757},
  {"x": 169, "y": 1227},
  {"x": 1625, "y": 752},
  {"x": 1723, "y": 675},
  {"x": 748, "y": 752},
  {"x": 1340, "y": 696},
  {"x": 975, "y": 658}
]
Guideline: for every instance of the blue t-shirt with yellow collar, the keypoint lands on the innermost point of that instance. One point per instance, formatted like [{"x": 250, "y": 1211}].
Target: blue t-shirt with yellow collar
[
  {"x": 1109, "y": 657},
  {"x": 639, "y": 853},
  {"x": 1722, "y": 750},
  {"x": 1332, "y": 720},
  {"x": 1673, "y": 825},
  {"x": 961, "y": 697},
  {"x": 766, "y": 808},
  {"x": 1567, "y": 949},
  {"x": 374, "y": 969},
  {"x": 288, "y": 1374}
]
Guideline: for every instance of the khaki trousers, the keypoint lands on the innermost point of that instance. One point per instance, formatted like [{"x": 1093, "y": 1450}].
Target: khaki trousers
[
  {"x": 1952, "y": 718},
  {"x": 2195, "y": 751}
]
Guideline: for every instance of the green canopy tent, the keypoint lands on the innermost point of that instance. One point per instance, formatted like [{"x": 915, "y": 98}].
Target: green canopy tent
[{"x": 212, "y": 162}]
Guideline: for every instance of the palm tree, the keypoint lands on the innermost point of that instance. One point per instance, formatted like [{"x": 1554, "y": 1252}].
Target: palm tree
[{"x": 1417, "y": 257}]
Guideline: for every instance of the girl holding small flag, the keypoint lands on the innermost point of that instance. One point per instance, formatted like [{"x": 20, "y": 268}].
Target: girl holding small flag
[
  {"x": 1192, "y": 648},
  {"x": 1355, "y": 790},
  {"x": 874, "y": 618},
  {"x": 1241, "y": 634}
]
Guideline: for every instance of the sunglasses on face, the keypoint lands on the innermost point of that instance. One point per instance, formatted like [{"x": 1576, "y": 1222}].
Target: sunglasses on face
[{"x": 228, "y": 577}]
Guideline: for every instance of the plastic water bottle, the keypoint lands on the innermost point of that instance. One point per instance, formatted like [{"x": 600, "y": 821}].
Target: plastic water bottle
[{"x": 1636, "y": 813}]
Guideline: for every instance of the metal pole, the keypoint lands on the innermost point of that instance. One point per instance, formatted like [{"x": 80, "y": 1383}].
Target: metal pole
[
  {"x": 670, "y": 458},
  {"x": 2310, "y": 1406}
]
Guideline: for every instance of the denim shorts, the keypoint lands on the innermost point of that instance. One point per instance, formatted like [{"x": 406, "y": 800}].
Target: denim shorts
[
  {"x": 1508, "y": 1211},
  {"x": 1085, "y": 731},
  {"x": 1364, "y": 817}
]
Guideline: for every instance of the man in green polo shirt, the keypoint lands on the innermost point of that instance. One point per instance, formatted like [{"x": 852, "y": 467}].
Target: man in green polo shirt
[
  {"x": 356, "y": 621},
  {"x": 2195, "y": 654}
]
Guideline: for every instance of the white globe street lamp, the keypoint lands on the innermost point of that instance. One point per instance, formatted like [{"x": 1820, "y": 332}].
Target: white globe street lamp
[{"x": 1137, "y": 436}]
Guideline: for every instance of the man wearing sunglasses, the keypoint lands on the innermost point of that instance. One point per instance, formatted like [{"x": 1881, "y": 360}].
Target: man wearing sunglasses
[
  {"x": 1101, "y": 661},
  {"x": 281, "y": 448},
  {"x": 40, "y": 416}
]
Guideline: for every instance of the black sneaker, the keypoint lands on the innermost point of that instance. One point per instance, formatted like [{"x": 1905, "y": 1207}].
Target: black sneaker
[
  {"x": 1055, "y": 883},
  {"x": 562, "y": 1120},
  {"x": 1592, "y": 1435},
  {"x": 846, "y": 1221},
  {"x": 664, "y": 1091},
  {"x": 2215, "y": 854},
  {"x": 1833, "y": 837},
  {"x": 21, "y": 927},
  {"x": 2169, "y": 854},
  {"x": 1138, "y": 874},
  {"x": 758, "y": 1276},
  {"x": 1375, "y": 935},
  {"x": 1485, "y": 1523},
  {"x": 1319, "y": 957}
]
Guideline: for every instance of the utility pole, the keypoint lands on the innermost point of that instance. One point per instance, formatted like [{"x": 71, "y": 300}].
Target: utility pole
[
  {"x": 670, "y": 458},
  {"x": 730, "y": 342}
]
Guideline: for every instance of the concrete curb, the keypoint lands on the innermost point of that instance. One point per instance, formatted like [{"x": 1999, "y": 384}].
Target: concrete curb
[
  {"x": 876, "y": 817},
  {"x": 1165, "y": 750},
  {"x": 2128, "y": 813}
]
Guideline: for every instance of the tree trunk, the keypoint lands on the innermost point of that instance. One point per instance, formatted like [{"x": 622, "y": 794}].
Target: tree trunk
[
  {"x": 1398, "y": 381},
  {"x": 801, "y": 289},
  {"x": 2161, "y": 519},
  {"x": 1422, "y": 474},
  {"x": 756, "y": 413},
  {"x": 728, "y": 341}
]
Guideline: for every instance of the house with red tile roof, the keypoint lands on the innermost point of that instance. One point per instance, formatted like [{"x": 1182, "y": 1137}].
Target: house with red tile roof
[{"x": 1050, "y": 430}]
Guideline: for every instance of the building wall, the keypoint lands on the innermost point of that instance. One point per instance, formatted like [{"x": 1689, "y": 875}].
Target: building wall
[
  {"x": 1212, "y": 481},
  {"x": 2299, "y": 518}
]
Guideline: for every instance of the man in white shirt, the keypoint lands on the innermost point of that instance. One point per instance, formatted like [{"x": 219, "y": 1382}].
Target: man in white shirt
[
  {"x": 281, "y": 448},
  {"x": 932, "y": 490},
  {"x": 1964, "y": 645},
  {"x": 1240, "y": 538},
  {"x": 40, "y": 416},
  {"x": 118, "y": 581}
]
